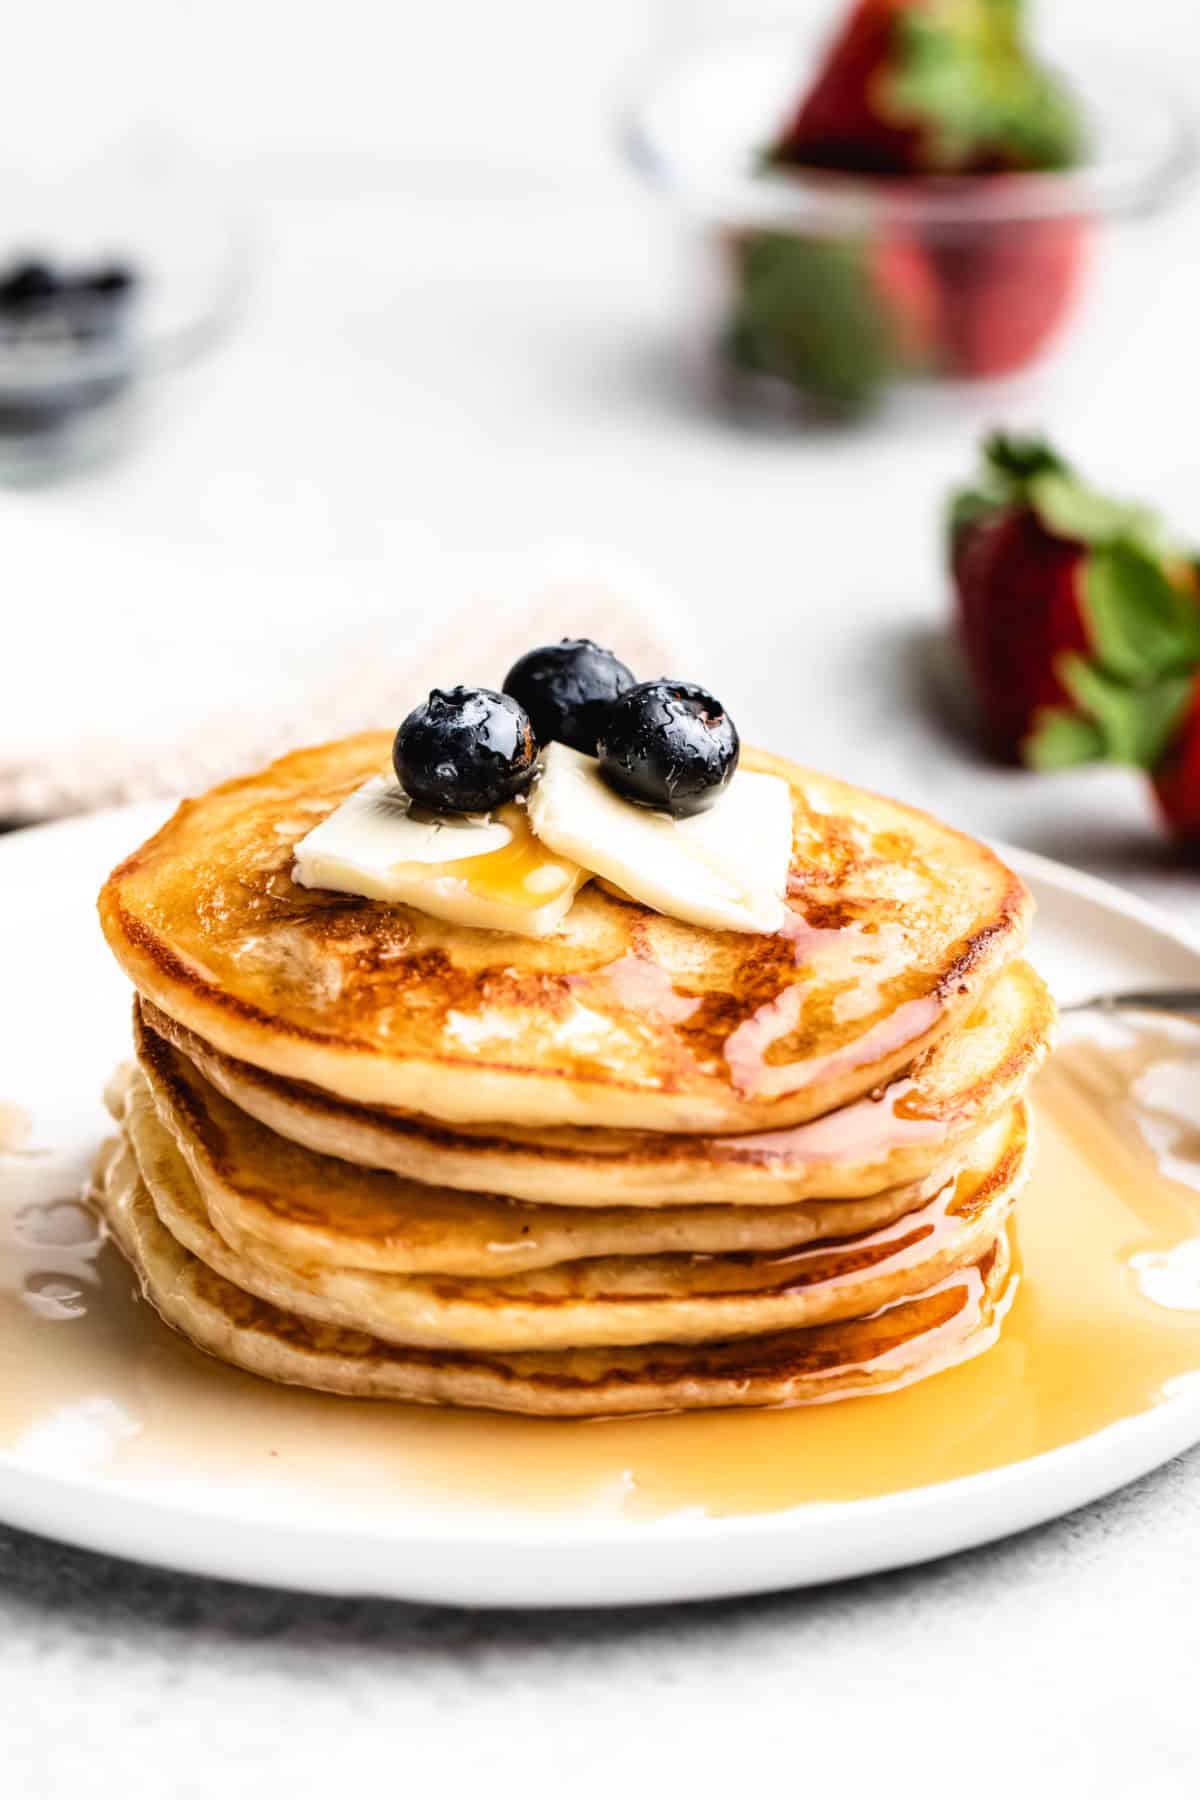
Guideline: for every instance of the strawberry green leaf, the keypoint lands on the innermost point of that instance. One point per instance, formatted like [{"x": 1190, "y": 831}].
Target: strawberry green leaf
[
  {"x": 1070, "y": 509},
  {"x": 1134, "y": 725},
  {"x": 1142, "y": 627},
  {"x": 1010, "y": 465},
  {"x": 1060, "y": 739},
  {"x": 964, "y": 73},
  {"x": 1028, "y": 471},
  {"x": 1019, "y": 459}
]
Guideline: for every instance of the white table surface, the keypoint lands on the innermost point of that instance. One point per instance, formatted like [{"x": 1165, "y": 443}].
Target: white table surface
[{"x": 458, "y": 355}]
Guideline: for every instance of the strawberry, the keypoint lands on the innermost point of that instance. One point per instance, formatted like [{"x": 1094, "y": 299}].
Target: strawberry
[
  {"x": 1081, "y": 624},
  {"x": 1006, "y": 288},
  {"x": 904, "y": 280},
  {"x": 1136, "y": 698},
  {"x": 835, "y": 318},
  {"x": 921, "y": 87},
  {"x": 1054, "y": 580},
  {"x": 839, "y": 123},
  {"x": 1019, "y": 597}
]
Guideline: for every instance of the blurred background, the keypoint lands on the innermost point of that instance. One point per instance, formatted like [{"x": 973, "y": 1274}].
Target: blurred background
[{"x": 443, "y": 378}]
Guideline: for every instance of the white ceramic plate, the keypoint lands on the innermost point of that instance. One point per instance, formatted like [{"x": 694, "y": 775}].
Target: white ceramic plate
[{"x": 65, "y": 1025}]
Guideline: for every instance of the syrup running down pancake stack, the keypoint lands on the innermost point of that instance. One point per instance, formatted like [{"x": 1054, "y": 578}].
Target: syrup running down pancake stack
[{"x": 632, "y": 1163}]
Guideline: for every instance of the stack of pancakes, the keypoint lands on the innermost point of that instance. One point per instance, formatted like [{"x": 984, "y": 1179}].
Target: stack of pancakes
[{"x": 633, "y": 1166}]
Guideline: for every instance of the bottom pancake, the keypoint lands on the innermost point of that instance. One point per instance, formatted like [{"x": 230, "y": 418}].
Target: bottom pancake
[{"x": 957, "y": 1318}]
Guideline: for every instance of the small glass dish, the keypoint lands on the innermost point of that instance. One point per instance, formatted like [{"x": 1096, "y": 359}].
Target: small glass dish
[
  {"x": 823, "y": 291},
  {"x": 111, "y": 272}
]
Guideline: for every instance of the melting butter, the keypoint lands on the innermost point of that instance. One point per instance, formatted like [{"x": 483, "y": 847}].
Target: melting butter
[
  {"x": 488, "y": 871},
  {"x": 726, "y": 868},
  {"x": 519, "y": 869}
]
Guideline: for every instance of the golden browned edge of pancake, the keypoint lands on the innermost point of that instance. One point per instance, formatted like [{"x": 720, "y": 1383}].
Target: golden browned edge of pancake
[
  {"x": 916, "y": 1338},
  {"x": 613, "y": 1301},
  {"x": 577, "y": 1167},
  {"x": 465, "y": 1085},
  {"x": 267, "y": 1194}
]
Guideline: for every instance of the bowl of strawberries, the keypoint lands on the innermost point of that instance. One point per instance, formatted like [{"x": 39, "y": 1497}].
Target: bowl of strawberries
[{"x": 918, "y": 199}]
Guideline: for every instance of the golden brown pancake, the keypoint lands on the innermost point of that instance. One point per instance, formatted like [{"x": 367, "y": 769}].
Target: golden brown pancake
[
  {"x": 607, "y": 1300},
  {"x": 895, "y": 1141},
  {"x": 264, "y": 1192},
  {"x": 623, "y": 1018},
  {"x": 919, "y": 1335}
]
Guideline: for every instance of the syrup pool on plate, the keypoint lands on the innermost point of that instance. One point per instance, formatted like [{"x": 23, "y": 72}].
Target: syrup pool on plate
[{"x": 1104, "y": 1321}]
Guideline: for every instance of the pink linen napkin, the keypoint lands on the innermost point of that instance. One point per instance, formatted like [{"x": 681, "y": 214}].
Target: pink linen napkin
[{"x": 151, "y": 708}]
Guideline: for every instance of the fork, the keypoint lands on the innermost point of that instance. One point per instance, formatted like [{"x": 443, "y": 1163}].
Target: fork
[{"x": 1168, "y": 1000}]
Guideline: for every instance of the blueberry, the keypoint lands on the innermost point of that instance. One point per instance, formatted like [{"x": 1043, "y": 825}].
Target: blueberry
[
  {"x": 465, "y": 750},
  {"x": 566, "y": 689},
  {"x": 27, "y": 286},
  {"x": 110, "y": 282},
  {"x": 670, "y": 745}
]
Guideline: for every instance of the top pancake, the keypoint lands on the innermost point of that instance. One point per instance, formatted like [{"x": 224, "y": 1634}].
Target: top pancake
[{"x": 623, "y": 1018}]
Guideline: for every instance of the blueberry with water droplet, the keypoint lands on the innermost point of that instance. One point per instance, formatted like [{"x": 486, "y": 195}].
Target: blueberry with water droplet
[
  {"x": 669, "y": 745},
  {"x": 567, "y": 688},
  {"x": 465, "y": 750},
  {"x": 27, "y": 287}
]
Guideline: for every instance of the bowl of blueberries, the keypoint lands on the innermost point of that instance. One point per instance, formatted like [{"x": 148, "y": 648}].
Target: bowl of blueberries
[{"x": 109, "y": 277}]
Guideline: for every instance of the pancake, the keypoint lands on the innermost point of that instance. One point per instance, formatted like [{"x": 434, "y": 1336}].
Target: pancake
[
  {"x": 623, "y": 1018},
  {"x": 604, "y": 1301},
  {"x": 906, "y": 1136},
  {"x": 920, "y": 1335},
  {"x": 262, "y": 1191}
]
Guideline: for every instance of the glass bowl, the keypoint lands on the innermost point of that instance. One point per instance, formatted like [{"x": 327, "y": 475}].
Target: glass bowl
[
  {"x": 825, "y": 290},
  {"x": 73, "y": 369}
]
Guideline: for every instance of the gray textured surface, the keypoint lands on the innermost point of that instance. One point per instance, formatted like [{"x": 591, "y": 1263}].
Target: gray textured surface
[
  {"x": 1062, "y": 1662},
  {"x": 478, "y": 382}
]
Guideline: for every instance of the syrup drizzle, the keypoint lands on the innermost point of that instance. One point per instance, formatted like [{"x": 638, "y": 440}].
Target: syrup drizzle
[
  {"x": 641, "y": 986},
  {"x": 861, "y": 967},
  {"x": 1104, "y": 1323},
  {"x": 867, "y": 1128},
  {"x": 746, "y": 1047},
  {"x": 521, "y": 872}
]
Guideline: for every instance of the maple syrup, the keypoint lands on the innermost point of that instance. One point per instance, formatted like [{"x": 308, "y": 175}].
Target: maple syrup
[
  {"x": 1104, "y": 1321},
  {"x": 520, "y": 873}
]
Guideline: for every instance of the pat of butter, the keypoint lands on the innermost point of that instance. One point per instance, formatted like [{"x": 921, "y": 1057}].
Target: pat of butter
[
  {"x": 726, "y": 868},
  {"x": 488, "y": 871}
]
